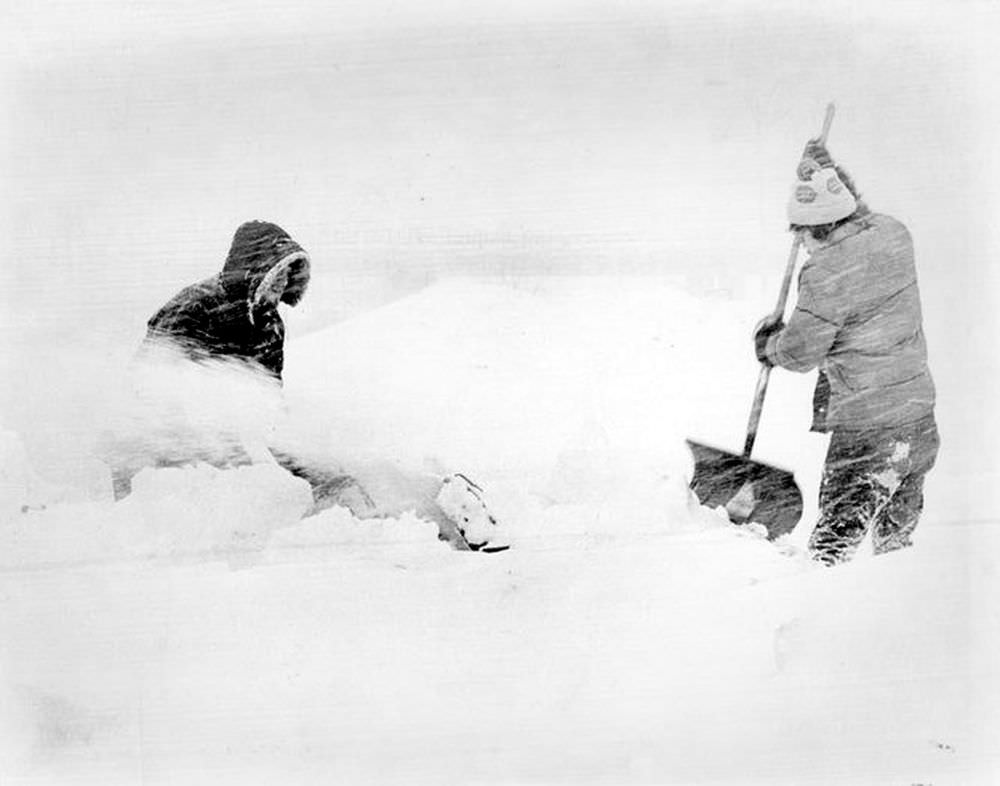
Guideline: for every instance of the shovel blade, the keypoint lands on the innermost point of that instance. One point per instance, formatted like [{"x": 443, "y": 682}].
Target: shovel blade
[{"x": 749, "y": 490}]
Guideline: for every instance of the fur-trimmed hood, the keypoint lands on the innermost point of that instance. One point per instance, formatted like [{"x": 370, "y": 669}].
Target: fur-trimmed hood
[{"x": 257, "y": 255}]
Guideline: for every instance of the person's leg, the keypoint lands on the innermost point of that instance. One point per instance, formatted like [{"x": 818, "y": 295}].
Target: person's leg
[
  {"x": 121, "y": 482},
  {"x": 914, "y": 455},
  {"x": 851, "y": 497},
  {"x": 122, "y": 457},
  {"x": 330, "y": 486},
  {"x": 895, "y": 525}
]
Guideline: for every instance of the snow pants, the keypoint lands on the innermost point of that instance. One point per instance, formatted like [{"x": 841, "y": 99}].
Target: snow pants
[{"x": 873, "y": 481}]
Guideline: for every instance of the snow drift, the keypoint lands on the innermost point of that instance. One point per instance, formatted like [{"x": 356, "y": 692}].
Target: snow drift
[{"x": 203, "y": 631}]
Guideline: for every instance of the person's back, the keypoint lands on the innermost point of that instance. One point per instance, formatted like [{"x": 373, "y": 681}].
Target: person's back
[
  {"x": 877, "y": 364},
  {"x": 234, "y": 314}
]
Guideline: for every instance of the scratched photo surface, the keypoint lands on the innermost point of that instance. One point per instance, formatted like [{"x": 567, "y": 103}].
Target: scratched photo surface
[{"x": 356, "y": 357}]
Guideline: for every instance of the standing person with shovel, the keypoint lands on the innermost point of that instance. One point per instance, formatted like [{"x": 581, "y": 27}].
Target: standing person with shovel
[{"x": 858, "y": 319}]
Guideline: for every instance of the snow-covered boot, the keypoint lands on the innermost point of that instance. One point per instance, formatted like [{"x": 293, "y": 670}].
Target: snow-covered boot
[{"x": 461, "y": 501}]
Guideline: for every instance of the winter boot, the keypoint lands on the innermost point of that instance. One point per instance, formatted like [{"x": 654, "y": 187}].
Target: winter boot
[{"x": 461, "y": 501}]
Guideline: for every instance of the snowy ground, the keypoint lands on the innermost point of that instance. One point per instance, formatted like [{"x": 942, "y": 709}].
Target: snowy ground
[{"x": 202, "y": 632}]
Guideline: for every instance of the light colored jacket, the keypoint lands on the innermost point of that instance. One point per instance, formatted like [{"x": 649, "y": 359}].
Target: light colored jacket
[{"x": 858, "y": 319}]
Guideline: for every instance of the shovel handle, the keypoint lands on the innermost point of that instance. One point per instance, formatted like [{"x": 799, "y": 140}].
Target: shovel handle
[
  {"x": 827, "y": 122},
  {"x": 778, "y": 313},
  {"x": 765, "y": 369},
  {"x": 786, "y": 281}
]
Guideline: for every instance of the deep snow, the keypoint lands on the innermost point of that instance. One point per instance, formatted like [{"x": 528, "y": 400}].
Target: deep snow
[{"x": 202, "y": 632}]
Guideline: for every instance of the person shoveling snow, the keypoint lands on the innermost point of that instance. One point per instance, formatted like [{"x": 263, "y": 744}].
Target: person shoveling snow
[
  {"x": 858, "y": 319},
  {"x": 209, "y": 376}
]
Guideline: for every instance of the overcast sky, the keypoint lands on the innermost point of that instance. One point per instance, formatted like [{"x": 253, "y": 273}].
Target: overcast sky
[{"x": 397, "y": 141}]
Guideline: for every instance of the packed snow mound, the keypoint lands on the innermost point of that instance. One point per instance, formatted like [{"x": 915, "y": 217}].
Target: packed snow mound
[
  {"x": 176, "y": 512},
  {"x": 547, "y": 391},
  {"x": 338, "y": 528},
  {"x": 486, "y": 374}
]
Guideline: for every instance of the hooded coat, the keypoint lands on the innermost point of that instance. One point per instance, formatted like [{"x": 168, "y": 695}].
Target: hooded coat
[
  {"x": 858, "y": 319},
  {"x": 229, "y": 315}
]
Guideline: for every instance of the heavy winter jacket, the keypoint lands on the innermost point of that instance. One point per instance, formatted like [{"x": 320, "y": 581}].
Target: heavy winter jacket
[
  {"x": 226, "y": 315},
  {"x": 858, "y": 319}
]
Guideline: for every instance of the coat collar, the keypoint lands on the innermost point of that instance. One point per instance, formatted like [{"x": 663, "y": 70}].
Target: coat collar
[{"x": 848, "y": 229}]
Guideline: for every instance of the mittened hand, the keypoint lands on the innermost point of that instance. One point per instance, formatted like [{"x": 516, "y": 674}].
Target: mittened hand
[
  {"x": 815, "y": 156},
  {"x": 766, "y": 328}
]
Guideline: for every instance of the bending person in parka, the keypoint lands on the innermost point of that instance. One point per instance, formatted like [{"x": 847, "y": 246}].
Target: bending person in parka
[
  {"x": 858, "y": 319},
  {"x": 232, "y": 319}
]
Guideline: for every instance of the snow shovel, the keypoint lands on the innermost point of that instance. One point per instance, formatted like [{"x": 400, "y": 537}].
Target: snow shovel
[{"x": 751, "y": 491}]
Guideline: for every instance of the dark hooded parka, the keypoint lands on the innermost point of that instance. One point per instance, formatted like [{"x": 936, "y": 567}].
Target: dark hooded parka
[{"x": 234, "y": 314}]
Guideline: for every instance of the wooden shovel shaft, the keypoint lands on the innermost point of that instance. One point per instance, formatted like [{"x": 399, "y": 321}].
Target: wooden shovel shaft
[
  {"x": 765, "y": 368},
  {"x": 827, "y": 122},
  {"x": 779, "y": 311}
]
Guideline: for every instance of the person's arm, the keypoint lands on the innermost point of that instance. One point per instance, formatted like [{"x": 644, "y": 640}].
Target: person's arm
[
  {"x": 818, "y": 316},
  {"x": 184, "y": 324}
]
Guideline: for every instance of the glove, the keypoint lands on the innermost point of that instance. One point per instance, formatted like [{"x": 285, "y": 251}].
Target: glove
[
  {"x": 766, "y": 328},
  {"x": 814, "y": 156}
]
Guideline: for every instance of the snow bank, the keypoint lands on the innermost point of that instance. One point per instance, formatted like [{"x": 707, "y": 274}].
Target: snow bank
[
  {"x": 490, "y": 375},
  {"x": 551, "y": 390},
  {"x": 177, "y": 512},
  {"x": 203, "y": 631}
]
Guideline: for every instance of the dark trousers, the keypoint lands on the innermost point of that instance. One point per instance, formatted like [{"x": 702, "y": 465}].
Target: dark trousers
[{"x": 873, "y": 481}]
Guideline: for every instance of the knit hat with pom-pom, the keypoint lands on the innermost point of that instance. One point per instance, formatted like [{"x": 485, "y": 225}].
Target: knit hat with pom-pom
[{"x": 822, "y": 199}]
